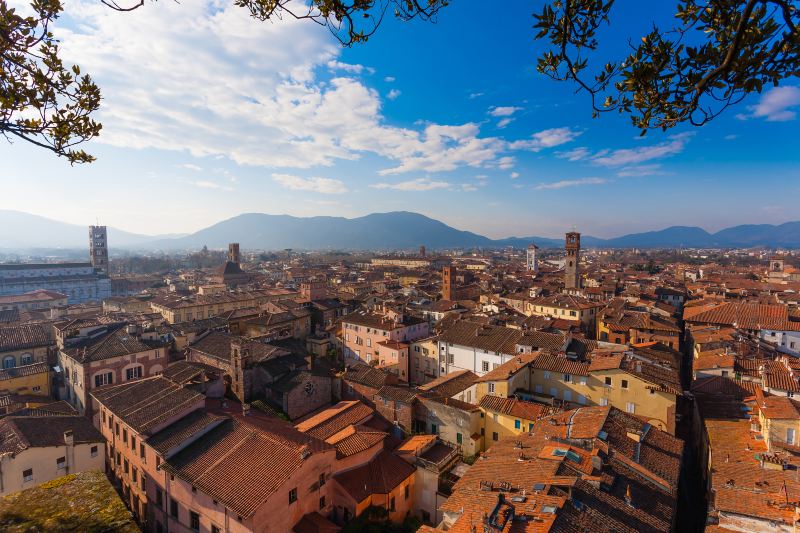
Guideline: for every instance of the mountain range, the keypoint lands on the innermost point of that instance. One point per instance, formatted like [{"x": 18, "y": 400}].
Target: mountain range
[{"x": 385, "y": 231}]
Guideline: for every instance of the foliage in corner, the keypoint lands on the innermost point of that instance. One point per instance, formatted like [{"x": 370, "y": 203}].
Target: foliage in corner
[
  {"x": 41, "y": 100},
  {"x": 717, "y": 53}
]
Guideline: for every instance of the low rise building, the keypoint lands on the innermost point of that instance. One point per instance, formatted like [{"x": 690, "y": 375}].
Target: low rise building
[{"x": 37, "y": 449}]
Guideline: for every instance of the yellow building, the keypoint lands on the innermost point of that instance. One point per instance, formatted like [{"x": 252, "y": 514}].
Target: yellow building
[
  {"x": 567, "y": 307},
  {"x": 25, "y": 345},
  {"x": 506, "y": 379},
  {"x": 424, "y": 361},
  {"x": 39, "y": 449},
  {"x": 28, "y": 379},
  {"x": 779, "y": 418},
  {"x": 177, "y": 309},
  {"x": 506, "y": 417},
  {"x": 633, "y": 385}
]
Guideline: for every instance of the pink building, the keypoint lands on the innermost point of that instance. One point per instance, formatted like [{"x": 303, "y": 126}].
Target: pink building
[
  {"x": 380, "y": 338},
  {"x": 187, "y": 464}
]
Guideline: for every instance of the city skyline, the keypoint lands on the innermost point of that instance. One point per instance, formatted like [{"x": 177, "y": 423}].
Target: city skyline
[{"x": 453, "y": 122}]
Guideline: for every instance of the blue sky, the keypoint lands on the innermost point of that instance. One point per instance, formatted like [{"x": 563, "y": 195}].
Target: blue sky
[{"x": 208, "y": 114}]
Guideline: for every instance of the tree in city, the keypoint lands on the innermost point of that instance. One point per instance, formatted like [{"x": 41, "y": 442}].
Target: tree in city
[
  {"x": 717, "y": 53},
  {"x": 42, "y": 101}
]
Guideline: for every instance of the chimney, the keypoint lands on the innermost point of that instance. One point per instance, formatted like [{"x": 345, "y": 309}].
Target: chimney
[
  {"x": 69, "y": 438},
  {"x": 628, "y": 499}
]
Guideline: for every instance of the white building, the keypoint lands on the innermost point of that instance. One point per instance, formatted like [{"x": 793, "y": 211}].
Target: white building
[{"x": 532, "y": 261}]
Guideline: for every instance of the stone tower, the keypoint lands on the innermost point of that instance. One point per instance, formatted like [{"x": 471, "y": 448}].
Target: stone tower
[
  {"x": 531, "y": 260},
  {"x": 98, "y": 248},
  {"x": 448, "y": 282},
  {"x": 572, "y": 261},
  {"x": 240, "y": 374},
  {"x": 233, "y": 252}
]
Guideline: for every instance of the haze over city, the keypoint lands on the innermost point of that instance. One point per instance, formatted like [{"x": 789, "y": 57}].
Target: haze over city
[{"x": 213, "y": 114}]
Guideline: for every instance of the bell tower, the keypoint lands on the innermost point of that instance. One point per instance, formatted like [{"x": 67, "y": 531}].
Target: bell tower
[
  {"x": 532, "y": 261},
  {"x": 448, "y": 282},
  {"x": 98, "y": 248},
  {"x": 572, "y": 261},
  {"x": 233, "y": 252}
]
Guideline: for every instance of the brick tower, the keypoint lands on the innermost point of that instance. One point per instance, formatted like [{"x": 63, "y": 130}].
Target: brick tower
[
  {"x": 572, "y": 261},
  {"x": 448, "y": 282}
]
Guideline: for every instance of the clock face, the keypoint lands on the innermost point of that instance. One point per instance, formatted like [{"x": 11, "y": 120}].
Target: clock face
[{"x": 309, "y": 388}]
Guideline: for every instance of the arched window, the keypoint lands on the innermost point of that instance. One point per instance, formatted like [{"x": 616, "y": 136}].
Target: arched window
[
  {"x": 9, "y": 361},
  {"x": 26, "y": 359}
]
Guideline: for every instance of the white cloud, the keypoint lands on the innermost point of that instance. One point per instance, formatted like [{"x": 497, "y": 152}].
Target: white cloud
[
  {"x": 514, "y": 175},
  {"x": 393, "y": 94},
  {"x": 576, "y": 154},
  {"x": 469, "y": 187},
  {"x": 502, "y": 123},
  {"x": 571, "y": 183},
  {"x": 633, "y": 156},
  {"x": 640, "y": 170},
  {"x": 350, "y": 68},
  {"x": 546, "y": 139},
  {"x": 211, "y": 96},
  {"x": 389, "y": 79},
  {"x": 319, "y": 185},
  {"x": 503, "y": 111},
  {"x": 419, "y": 184},
  {"x": 472, "y": 96},
  {"x": 190, "y": 166},
  {"x": 731, "y": 137},
  {"x": 205, "y": 184},
  {"x": 775, "y": 105}
]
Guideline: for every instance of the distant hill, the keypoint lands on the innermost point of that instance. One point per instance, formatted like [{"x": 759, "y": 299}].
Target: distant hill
[
  {"x": 379, "y": 231},
  {"x": 19, "y": 230}
]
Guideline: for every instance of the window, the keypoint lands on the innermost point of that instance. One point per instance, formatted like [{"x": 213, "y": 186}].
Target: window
[
  {"x": 322, "y": 479},
  {"x": 494, "y": 435},
  {"x": 93, "y": 451},
  {"x": 9, "y": 362},
  {"x": 141, "y": 451},
  {"x": 215, "y": 529},
  {"x": 26, "y": 359},
  {"x": 517, "y": 424},
  {"x": 790, "y": 436},
  {"x": 133, "y": 443},
  {"x": 293, "y": 495},
  {"x": 546, "y": 374},
  {"x": 624, "y": 384},
  {"x": 144, "y": 482},
  {"x": 133, "y": 372},
  {"x": 433, "y": 429},
  {"x": 407, "y": 491},
  {"x": 116, "y": 428},
  {"x": 458, "y": 438},
  {"x": 173, "y": 508},
  {"x": 125, "y": 466},
  {"x": 61, "y": 463},
  {"x": 125, "y": 435},
  {"x": 485, "y": 366},
  {"x": 530, "y": 426},
  {"x": 194, "y": 521},
  {"x": 110, "y": 422},
  {"x": 392, "y": 507},
  {"x": 159, "y": 498},
  {"x": 491, "y": 386},
  {"x": 567, "y": 378},
  {"x": 608, "y": 382},
  {"x": 27, "y": 475},
  {"x": 106, "y": 378},
  {"x": 321, "y": 503},
  {"x": 630, "y": 407},
  {"x": 603, "y": 401}
]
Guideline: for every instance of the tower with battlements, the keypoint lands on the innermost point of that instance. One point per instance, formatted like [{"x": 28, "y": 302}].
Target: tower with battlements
[
  {"x": 98, "y": 248},
  {"x": 572, "y": 261}
]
